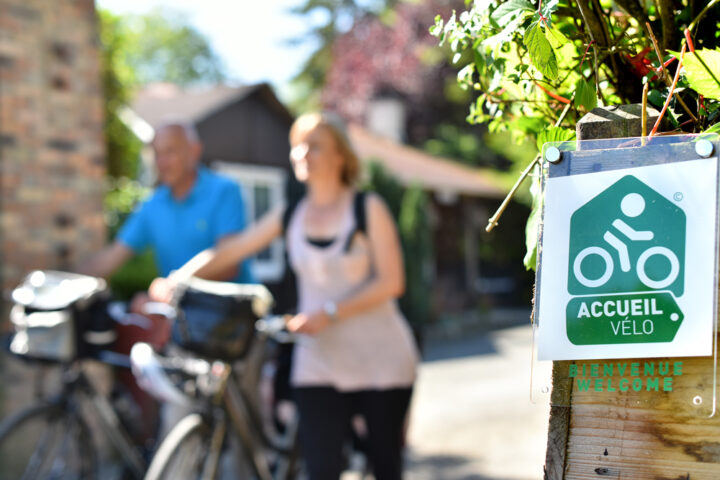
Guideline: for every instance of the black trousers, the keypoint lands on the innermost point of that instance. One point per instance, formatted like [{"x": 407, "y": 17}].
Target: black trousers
[{"x": 325, "y": 418}]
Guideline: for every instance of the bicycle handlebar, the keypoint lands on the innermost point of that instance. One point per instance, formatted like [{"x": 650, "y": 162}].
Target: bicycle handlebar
[{"x": 275, "y": 327}]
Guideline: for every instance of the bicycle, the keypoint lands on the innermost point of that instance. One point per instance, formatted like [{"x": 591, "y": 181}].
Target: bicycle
[
  {"x": 217, "y": 376},
  {"x": 632, "y": 205},
  {"x": 60, "y": 321}
]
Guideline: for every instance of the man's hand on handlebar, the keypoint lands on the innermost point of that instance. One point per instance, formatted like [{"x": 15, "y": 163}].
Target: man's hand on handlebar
[{"x": 162, "y": 289}]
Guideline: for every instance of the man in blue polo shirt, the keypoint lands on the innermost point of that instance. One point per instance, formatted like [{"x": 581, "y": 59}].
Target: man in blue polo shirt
[{"x": 193, "y": 209}]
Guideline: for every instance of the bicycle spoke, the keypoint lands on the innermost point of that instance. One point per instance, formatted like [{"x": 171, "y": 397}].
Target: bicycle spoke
[{"x": 44, "y": 442}]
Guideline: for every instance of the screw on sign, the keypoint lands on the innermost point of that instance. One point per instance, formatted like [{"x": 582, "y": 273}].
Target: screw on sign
[{"x": 626, "y": 267}]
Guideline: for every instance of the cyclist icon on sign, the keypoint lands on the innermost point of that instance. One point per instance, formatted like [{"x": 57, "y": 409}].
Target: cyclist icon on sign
[{"x": 632, "y": 206}]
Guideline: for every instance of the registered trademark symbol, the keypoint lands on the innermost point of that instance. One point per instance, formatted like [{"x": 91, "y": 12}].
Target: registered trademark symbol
[{"x": 678, "y": 196}]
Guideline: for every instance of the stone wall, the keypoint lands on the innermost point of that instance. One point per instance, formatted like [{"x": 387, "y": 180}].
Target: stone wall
[{"x": 51, "y": 143}]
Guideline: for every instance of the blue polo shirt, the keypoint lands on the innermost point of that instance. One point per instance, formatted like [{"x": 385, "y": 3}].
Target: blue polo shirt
[{"x": 177, "y": 230}]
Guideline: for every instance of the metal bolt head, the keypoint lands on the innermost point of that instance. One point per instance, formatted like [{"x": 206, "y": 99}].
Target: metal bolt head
[
  {"x": 704, "y": 148},
  {"x": 553, "y": 155}
]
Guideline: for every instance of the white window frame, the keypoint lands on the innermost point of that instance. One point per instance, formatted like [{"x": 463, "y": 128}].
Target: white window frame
[{"x": 249, "y": 176}]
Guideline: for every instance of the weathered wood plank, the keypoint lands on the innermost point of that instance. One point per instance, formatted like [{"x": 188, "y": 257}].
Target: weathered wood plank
[
  {"x": 646, "y": 435},
  {"x": 636, "y": 435},
  {"x": 559, "y": 422}
]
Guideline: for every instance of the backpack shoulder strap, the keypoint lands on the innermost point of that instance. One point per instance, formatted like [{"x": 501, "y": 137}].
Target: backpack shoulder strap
[
  {"x": 359, "y": 212},
  {"x": 360, "y": 218}
]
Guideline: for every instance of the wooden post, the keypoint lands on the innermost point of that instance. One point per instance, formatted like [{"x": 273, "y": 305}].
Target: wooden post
[{"x": 583, "y": 440}]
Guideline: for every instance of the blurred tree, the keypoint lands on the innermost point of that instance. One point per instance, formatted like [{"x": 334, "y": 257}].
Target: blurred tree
[
  {"x": 409, "y": 208},
  {"x": 160, "y": 46},
  {"x": 329, "y": 20},
  {"x": 118, "y": 80},
  {"x": 163, "y": 47},
  {"x": 392, "y": 55}
]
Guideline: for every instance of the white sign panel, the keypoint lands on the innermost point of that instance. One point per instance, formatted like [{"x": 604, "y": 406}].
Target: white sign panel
[{"x": 628, "y": 263}]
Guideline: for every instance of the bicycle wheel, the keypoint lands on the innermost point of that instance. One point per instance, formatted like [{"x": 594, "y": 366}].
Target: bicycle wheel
[
  {"x": 182, "y": 453},
  {"x": 46, "y": 441}
]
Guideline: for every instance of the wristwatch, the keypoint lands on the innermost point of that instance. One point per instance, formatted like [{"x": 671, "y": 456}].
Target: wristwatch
[{"x": 331, "y": 309}]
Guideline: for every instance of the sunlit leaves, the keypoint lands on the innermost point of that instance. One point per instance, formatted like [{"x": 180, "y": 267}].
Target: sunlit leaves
[
  {"x": 702, "y": 70},
  {"x": 556, "y": 38},
  {"x": 714, "y": 129},
  {"x": 533, "y": 223},
  {"x": 540, "y": 51},
  {"x": 548, "y": 8},
  {"x": 554, "y": 134},
  {"x": 511, "y": 10},
  {"x": 585, "y": 95}
]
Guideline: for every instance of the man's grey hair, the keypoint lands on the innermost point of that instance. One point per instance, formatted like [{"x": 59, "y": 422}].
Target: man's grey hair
[{"x": 188, "y": 128}]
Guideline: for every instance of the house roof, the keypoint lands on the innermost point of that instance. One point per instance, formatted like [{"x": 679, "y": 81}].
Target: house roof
[
  {"x": 158, "y": 102},
  {"x": 412, "y": 166}
]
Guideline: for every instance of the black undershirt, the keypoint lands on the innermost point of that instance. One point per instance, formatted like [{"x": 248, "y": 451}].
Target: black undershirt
[{"x": 320, "y": 242}]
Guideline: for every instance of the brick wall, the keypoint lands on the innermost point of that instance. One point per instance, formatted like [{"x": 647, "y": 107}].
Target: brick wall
[{"x": 51, "y": 146}]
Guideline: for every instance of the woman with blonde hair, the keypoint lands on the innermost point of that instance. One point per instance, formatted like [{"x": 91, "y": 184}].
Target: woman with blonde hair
[{"x": 355, "y": 352}]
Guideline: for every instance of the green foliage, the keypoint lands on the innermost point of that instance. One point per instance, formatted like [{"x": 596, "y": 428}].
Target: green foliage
[
  {"x": 409, "y": 208},
  {"x": 135, "y": 276},
  {"x": 540, "y": 51},
  {"x": 554, "y": 134},
  {"x": 585, "y": 95},
  {"x": 714, "y": 129},
  {"x": 702, "y": 70},
  {"x": 464, "y": 145},
  {"x": 160, "y": 46},
  {"x": 118, "y": 80},
  {"x": 163, "y": 47},
  {"x": 120, "y": 200},
  {"x": 543, "y": 64},
  {"x": 122, "y": 197},
  {"x": 416, "y": 236},
  {"x": 533, "y": 224}
]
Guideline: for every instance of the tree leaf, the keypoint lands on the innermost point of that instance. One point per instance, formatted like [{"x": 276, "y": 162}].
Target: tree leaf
[
  {"x": 554, "y": 134},
  {"x": 656, "y": 98},
  {"x": 549, "y": 7},
  {"x": 585, "y": 95},
  {"x": 556, "y": 38},
  {"x": 533, "y": 223},
  {"x": 507, "y": 11},
  {"x": 714, "y": 129},
  {"x": 505, "y": 35},
  {"x": 704, "y": 79},
  {"x": 530, "y": 125},
  {"x": 541, "y": 52}
]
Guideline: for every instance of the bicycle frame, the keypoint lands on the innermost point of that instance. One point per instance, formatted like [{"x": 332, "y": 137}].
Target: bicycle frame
[
  {"x": 230, "y": 409},
  {"x": 76, "y": 393}
]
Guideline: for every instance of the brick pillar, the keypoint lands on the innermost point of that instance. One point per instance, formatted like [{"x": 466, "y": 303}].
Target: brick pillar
[{"x": 51, "y": 142}]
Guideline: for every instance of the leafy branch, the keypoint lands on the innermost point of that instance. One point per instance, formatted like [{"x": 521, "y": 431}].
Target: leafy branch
[{"x": 521, "y": 57}]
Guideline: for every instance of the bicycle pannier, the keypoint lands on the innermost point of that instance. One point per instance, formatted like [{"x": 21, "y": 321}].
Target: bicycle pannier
[
  {"x": 59, "y": 316},
  {"x": 217, "y": 319}
]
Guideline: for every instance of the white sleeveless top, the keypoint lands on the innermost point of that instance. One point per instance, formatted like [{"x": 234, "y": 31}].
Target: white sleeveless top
[{"x": 371, "y": 350}]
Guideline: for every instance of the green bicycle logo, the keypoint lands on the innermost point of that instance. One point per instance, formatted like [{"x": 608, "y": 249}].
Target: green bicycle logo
[
  {"x": 626, "y": 266},
  {"x": 632, "y": 205}
]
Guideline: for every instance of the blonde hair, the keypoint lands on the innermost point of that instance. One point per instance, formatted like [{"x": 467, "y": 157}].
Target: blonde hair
[{"x": 332, "y": 123}]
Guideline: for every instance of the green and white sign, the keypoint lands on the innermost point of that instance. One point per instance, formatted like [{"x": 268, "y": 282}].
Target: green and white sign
[{"x": 628, "y": 263}]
